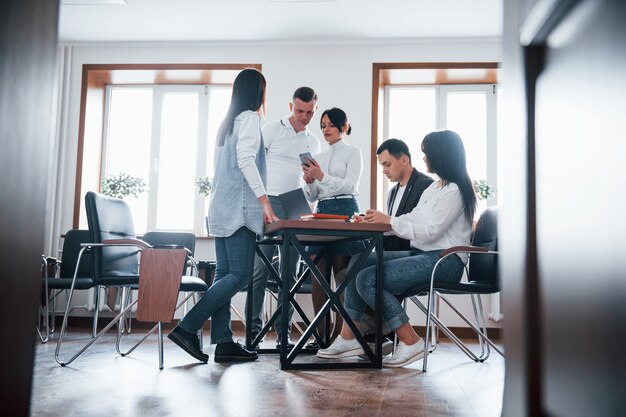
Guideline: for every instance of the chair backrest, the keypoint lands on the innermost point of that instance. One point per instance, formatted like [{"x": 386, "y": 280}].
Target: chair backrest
[
  {"x": 110, "y": 218},
  {"x": 188, "y": 240},
  {"x": 484, "y": 268},
  {"x": 69, "y": 257}
]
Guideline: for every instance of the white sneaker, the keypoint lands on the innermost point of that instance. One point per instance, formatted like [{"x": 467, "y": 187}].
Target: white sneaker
[
  {"x": 387, "y": 348},
  {"x": 341, "y": 348},
  {"x": 405, "y": 354}
]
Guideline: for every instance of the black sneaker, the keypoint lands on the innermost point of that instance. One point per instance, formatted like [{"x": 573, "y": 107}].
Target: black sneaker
[
  {"x": 188, "y": 342},
  {"x": 290, "y": 344},
  {"x": 233, "y": 352}
]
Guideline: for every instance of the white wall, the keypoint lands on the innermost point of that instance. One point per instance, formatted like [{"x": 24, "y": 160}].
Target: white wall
[{"x": 341, "y": 73}]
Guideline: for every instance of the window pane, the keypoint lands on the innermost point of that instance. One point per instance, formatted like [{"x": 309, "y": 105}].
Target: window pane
[
  {"x": 467, "y": 115},
  {"x": 219, "y": 100},
  {"x": 412, "y": 115},
  {"x": 128, "y": 143},
  {"x": 177, "y": 166}
]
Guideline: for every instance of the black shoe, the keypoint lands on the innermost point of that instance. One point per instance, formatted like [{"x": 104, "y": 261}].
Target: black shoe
[
  {"x": 188, "y": 342},
  {"x": 312, "y": 346},
  {"x": 233, "y": 352},
  {"x": 290, "y": 344}
]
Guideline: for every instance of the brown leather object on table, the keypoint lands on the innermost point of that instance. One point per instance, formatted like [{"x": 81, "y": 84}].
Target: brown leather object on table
[{"x": 159, "y": 281}]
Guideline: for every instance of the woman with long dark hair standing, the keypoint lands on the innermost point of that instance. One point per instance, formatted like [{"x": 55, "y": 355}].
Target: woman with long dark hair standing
[
  {"x": 442, "y": 219},
  {"x": 238, "y": 209}
]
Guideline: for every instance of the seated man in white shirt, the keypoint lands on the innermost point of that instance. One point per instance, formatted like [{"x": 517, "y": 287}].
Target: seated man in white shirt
[{"x": 285, "y": 140}]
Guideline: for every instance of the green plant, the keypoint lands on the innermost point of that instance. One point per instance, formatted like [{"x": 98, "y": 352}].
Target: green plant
[
  {"x": 122, "y": 185},
  {"x": 483, "y": 190},
  {"x": 204, "y": 185}
]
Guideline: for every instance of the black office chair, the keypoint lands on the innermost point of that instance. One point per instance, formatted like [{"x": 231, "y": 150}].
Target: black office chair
[
  {"x": 115, "y": 256},
  {"x": 483, "y": 278},
  {"x": 58, "y": 277}
]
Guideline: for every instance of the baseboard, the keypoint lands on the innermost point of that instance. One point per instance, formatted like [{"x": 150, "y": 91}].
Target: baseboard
[{"x": 495, "y": 333}]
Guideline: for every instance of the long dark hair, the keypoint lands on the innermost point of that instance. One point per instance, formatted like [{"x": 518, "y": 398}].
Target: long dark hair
[
  {"x": 446, "y": 158},
  {"x": 248, "y": 94},
  {"x": 338, "y": 118}
]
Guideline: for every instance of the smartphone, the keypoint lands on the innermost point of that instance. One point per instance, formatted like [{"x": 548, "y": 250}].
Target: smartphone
[{"x": 305, "y": 158}]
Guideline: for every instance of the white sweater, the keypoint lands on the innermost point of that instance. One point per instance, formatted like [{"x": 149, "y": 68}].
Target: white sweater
[{"x": 342, "y": 165}]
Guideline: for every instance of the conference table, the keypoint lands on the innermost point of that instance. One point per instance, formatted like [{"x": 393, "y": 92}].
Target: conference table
[{"x": 297, "y": 235}]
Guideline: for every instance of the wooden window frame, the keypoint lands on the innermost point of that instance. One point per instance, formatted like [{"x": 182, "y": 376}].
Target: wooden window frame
[
  {"x": 95, "y": 79},
  {"x": 383, "y": 75}
]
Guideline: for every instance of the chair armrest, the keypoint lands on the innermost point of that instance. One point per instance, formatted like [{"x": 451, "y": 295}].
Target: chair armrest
[
  {"x": 127, "y": 242},
  {"x": 118, "y": 242},
  {"x": 463, "y": 249}
]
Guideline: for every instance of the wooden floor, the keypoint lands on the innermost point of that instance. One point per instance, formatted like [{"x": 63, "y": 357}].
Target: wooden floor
[{"x": 101, "y": 383}]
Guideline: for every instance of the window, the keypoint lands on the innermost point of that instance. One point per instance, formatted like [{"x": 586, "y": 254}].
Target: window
[
  {"x": 165, "y": 135},
  {"x": 411, "y": 99},
  {"x": 156, "y": 122},
  {"x": 469, "y": 110}
]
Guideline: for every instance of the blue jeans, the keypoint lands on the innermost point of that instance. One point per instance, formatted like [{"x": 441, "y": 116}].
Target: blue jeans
[
  {"x": 404, "y": 274},
  {"x": 235, "y": 261},
  {"x": 261, "y": 273}
]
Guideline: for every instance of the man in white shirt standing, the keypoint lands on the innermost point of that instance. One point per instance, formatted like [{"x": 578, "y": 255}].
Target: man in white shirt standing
[{"x": 285, "y": 140}]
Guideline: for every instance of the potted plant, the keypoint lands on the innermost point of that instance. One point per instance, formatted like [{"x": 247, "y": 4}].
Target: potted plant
[
  {"x": 484, "y": 191},
  {"x": 204, "y": 185},
  {"x": 122, "y": 185}
]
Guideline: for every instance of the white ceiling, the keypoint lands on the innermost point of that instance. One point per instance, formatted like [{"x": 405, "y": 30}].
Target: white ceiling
[{"x": 277, "y": 20}]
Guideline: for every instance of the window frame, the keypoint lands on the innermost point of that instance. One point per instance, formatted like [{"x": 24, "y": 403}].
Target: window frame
[
  {"x": 411, "y": 73},
  {"x": 95, "y": 78}
]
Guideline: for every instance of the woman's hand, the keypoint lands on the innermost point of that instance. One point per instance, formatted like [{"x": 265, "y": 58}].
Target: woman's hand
[
  {"x": 313, "y": 171},
  {"x": 358, "y": 218},
  {"x": 268, "y": 212},
  {"x": 308, "y": 179},
  {"x": 374, "y": 216}
]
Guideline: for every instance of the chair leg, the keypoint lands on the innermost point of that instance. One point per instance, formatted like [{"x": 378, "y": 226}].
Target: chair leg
[
  {"x": 96, "y": 311},
  {"x": 160, "y": 332},
  {"x": 479, "y": 324},
  {"x": 57, "y": 354},
  {"x": 53, "y": 313},
  {"x": 439, "y": 324},
  {"x": 476, "y": 329},
  {"x": 158, "y": 326}
]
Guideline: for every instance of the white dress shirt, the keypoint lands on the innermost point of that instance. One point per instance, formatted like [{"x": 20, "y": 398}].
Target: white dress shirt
[
  {"x": 284, "y": 146},
  {"x": 437, "y": 222},
  {"x": 342, "y": 165},
  {"x": 248, "y": 142}
]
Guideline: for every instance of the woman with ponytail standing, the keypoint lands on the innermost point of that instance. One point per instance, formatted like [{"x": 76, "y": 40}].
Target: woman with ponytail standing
[{"x": 238, "y": 209}]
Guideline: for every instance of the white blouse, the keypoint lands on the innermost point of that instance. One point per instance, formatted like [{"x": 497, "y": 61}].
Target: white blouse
[
  {"x": 342, "y": 165},
  {"x": 437, "y": 222}
]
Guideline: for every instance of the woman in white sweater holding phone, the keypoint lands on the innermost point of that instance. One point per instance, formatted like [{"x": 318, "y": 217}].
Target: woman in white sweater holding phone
[{"x": 332, "y": 179}]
